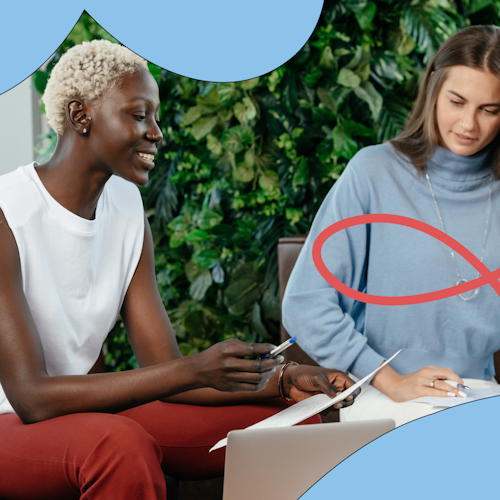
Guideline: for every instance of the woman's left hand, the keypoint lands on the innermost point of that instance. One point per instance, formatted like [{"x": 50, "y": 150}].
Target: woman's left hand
[{"x": 303, "y": 381}]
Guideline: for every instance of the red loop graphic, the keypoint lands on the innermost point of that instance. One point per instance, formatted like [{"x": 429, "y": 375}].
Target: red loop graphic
[{"x": 486, "y": 277}]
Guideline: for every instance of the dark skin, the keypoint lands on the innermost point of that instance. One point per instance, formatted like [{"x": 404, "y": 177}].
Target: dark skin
[{"x": 123, "y": 123}]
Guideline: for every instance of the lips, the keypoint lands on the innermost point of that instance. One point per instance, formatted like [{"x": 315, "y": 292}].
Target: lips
[
  {"x": 464, "y": 139},
  {"x": 146, "y": 159}
]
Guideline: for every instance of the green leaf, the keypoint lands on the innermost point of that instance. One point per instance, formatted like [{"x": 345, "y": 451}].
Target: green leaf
[
  {"x": 302, "y": 174},
  {"x": 208, "y": 104},
  {"x": 477, "y": 5},
  {"x": 406, "y": 46},
  {"x": 208, "y": 219},
  {"x": 354, "y": 128},
  {"x": 250, "y": 157},
  {"x": 240, "y": 295},
  {"x": 250, "y": 84},
  {"x": 218, "y": 273},
  {"x": 366, "y": 15},
  {"x": 227, "y": 93},
  {"x": 213, "y": 145},
  {"x": 361, "y": 57},
  {"x": 269, "y": 180},
  {"x": 271, "y": 305},
  {"x": 180, "y": 223},
  {"x": 196, "y": 235},
  {"x": 348, "y": 78},
  {"x": 244, "y": 173},
  {"x": 234, "y": 139},
  {"x": 327, "y": 59},
  {"x": 343, "y": 144},
  {"x": 257, "y": 325},
  {"x": 312, "y": 78},
  {"x": 192, "y": 270},
  {"x": 191, "y": 116},
  {"x": 203, "y": 127},
  {"x": 176, "y": 240},
  {"x": 200, "y": 285},
  {"x": 40, "y": 80},
  {"x": 325, "y": 96},
  {"x": 294, "y": 215},
  {"x": 367, "y": 92},
  {"x": 207, "y": 258}
]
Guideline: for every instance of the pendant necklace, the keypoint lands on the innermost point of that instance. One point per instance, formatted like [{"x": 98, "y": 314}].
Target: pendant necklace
[{"x": 460, "y": 279}]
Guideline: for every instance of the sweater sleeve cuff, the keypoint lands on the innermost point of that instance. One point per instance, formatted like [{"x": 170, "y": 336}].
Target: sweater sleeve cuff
[{"x": 367, "y": 361}]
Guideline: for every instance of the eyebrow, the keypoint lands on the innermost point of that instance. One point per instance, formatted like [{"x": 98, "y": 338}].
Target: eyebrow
[
  {"x": 141, "y": 98},
  {"x": 482, "y": 105}
]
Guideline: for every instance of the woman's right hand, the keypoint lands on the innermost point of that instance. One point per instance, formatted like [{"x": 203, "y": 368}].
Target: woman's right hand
[
  {"x": 401, "y": 388},
  {"x": 224, "y": 367}
]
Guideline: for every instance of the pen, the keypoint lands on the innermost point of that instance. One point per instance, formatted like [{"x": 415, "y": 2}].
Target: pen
[
  {"x": 457, "y": 385},
  {"x": 279, "y": 349}
]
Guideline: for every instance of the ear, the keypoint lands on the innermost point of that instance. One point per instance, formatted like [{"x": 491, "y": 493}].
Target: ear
[{"x": 76, "y": 116}]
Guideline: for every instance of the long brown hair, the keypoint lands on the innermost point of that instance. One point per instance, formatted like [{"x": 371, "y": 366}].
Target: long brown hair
[{"x": 476, "y": 47}]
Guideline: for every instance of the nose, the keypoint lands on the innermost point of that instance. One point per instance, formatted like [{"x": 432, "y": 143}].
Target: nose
[
  {"x": 154, "y": 132},
  {"x": 468, "y": 119}
]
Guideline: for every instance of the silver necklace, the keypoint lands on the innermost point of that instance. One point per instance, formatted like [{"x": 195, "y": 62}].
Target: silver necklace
[{"x": 460, "y": 279}]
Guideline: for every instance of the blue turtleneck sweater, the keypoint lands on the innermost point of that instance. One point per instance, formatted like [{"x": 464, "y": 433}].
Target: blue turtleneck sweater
[{"x": 385, "y": 259}]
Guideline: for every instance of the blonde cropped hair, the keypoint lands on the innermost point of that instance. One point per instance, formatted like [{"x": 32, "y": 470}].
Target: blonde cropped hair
[{"x": 85, "y": 72}]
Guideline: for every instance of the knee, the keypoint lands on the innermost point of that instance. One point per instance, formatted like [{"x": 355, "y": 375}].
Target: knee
[{"x": 119, "y": 436}]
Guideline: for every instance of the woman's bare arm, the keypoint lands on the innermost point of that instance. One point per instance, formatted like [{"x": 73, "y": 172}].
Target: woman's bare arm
[
  {"x": 35, "y": 396},
  {"x": 153, "y": 341}
]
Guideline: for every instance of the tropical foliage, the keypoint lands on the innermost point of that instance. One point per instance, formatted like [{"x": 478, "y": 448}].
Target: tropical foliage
[{"x": 243, "y": 164}]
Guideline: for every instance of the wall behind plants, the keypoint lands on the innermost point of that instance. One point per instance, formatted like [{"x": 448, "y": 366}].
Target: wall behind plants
[{"x": 243, "y": 164}]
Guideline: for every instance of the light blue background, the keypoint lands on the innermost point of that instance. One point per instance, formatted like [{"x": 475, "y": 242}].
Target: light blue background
[
  {"x": 451, "y": 454},
  {"x": 217, "y": 40}
]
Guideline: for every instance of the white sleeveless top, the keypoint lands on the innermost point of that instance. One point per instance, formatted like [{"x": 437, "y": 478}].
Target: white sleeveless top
[{"x": 75, "y": 271}]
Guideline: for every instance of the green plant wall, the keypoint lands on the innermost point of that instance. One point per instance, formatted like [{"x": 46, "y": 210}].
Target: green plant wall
[{"x": 243, "y": 164}]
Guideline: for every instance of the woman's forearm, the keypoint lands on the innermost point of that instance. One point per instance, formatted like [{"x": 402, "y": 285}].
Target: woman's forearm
[
  {"x": 207, "y": 396},
  {"x": 48, "y": 397},
  {"x": 385, "y": 380}
]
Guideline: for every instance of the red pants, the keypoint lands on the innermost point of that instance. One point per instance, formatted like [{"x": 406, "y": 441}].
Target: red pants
[{"x": 123, "y": 456}]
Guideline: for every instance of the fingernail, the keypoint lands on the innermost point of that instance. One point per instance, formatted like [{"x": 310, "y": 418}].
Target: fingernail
[
  {"x": 349, "y": 398},
  {"x": 280, "y": 359},
  {"x": 462, "y": 393},
  {"x": 451, "y": 394}
]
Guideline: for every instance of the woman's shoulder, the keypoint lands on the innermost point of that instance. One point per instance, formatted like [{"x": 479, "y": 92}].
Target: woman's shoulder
[
  {"x": 15, "y": 179},
  {"x": 18, "y": 196},
  {"x": 374, "y": 158},
  {"x": 124, "y": 196}
]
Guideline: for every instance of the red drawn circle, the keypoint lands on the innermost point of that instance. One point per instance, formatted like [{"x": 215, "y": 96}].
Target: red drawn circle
[{"x": 486, "y": 277}]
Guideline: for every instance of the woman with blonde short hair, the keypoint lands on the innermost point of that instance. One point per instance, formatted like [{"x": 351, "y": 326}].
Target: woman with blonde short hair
[{"x": 75, "y": 252}]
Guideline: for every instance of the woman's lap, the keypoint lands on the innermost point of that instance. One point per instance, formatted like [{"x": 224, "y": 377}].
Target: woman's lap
[
  {"x": 372, "y": 404},
  {"x": 53, "y": 456}
]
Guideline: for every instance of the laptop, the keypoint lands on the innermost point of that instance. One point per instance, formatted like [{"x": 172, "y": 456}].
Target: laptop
[{"x": 283, "y": 463}]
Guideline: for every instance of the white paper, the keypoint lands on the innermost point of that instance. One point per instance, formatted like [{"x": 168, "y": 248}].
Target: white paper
[
  {"x": 305, "y": 409},
  {"x": 448, "y": 402}
]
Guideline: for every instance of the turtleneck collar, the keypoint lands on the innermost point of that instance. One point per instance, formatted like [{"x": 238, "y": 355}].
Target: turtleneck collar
[{"x": 449, "y": 166}]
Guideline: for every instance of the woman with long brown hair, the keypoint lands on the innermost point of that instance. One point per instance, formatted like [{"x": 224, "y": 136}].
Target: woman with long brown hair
[{"x": 442, "y": 170}]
